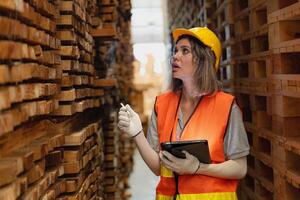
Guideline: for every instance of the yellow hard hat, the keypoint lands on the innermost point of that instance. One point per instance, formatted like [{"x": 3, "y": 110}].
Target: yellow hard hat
[{"x": 206, "y": 36}]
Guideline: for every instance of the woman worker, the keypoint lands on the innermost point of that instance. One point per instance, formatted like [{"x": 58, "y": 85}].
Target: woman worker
[{"x": 194, "y": 108}]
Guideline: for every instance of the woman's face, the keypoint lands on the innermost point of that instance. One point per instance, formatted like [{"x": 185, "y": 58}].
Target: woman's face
[{"x": 183, "y": 66}]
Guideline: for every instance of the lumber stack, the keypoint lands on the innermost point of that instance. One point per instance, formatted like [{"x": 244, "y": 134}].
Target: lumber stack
[
  {"x": 77, "y": 90},
  {"x": 124, "y": 68},
  {"x": 283, "y": 20},
  {"x": 53, "y": 95},
  {"x": 126, "y": 150},
  {"x": 258, "y": 65},
  {"x": 82, "y": 163},
  {"x": 124, "y": 52},
  {"x": 32, "y": 172},
  {"x": 62, "y": 164},
  {"x": 118, "y": 163},
  {"x": 29, "y": 62},
  {"x": 107, "y": 12},
  {"x": 222, "y": 24},
  {"x": 111, "y": 159},
  {"x": 251, "y": 58},
  {"x": 105, "y": 35}
]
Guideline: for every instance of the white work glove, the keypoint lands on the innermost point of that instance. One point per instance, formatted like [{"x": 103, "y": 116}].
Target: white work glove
[
  {"x": 129, "y": 121},
  {"x": 188, "y": 165}
]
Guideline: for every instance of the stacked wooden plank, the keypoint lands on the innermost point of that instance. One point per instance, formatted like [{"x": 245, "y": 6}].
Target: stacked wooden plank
[
  {"x": 29, "y": 62},
  {"x": 41, "y": 180},
  {"x": 106, "y": 27},
  {"x": 251, "y": 49},
  {"x": 260, "y": 163},
  {"x": 126, "y": 151},
  {"x": 114, "y": 56},
  {"x": 222, "y": 25},
  {"x": 283, "y": 19},
  {"x": 32, "y": 171},
  {"x": 124, "y": 52},
  {"x": 57, "y": 165},
  {"x": 29, "y": 70},
  {"x": 111, "y": 158},
  {"x": 109, "y": 14},
  {"x": 77, "y": 91},
  {"x": 118, "y": 163},
  {"x": 114, "y": 53},
  {"x": 105, "y": 34},
  {"x": 82, "y": 163},
  {"x": 125, "y": 69},
  {"x": 250, "y": 69},
  {"x": 264, "y": 40},
  {"x": 47, "y": 83}
]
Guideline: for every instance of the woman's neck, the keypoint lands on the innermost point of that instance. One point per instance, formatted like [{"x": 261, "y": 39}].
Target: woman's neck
[
  {"x": 188, "y": 94},
  {"x": 188, "y": 102}
]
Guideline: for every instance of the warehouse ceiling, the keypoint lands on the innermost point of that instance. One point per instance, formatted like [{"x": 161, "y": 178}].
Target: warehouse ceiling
[{"x": 147, "y": 21}]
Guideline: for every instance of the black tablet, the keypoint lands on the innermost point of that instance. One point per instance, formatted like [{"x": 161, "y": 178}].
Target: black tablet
[{"x": 198, "y": 148}]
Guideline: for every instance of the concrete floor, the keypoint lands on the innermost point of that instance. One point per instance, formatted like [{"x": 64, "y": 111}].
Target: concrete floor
[{"x": 142, "y": 181}]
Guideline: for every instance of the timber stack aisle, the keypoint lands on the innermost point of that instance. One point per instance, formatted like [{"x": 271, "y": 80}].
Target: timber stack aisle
[
  {"x": 60, "y": 68},
  {"x": 260, "y": 66}
]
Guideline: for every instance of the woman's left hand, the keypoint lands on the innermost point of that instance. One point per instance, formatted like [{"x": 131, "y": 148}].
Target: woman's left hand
[{"x": 188, "y": 165}]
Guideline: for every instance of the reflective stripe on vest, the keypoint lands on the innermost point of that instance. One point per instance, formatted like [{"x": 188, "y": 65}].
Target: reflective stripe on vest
[
  {"x": 204, "y": 196},
  {"x": 163, "y": 197},
  {"x": 209, "y": 121},
  {"x": 166, "y": 172}
]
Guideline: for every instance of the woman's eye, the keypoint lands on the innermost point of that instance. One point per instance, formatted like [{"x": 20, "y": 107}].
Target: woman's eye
[{"x": 185, "y": 51}]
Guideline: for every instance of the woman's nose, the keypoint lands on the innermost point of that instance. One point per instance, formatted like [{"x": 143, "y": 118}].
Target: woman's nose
[
  {"x": 172, "y": 59},
  {"x": 175, "y": 55}
]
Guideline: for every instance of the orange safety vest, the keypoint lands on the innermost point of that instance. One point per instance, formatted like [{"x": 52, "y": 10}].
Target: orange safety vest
[{"x": 209, "y": 121}]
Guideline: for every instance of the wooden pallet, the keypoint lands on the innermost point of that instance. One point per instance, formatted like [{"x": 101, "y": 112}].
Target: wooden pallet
[
  {"x": 259, "y": 15},
  {"x": 284, "y": 63},
  {"x": 242, "y": 24},
  {"x": 285, "y": 188},
  {"x": 282, "y": 22},
  {"x": 284, "y": 81},
  {"x": 224, "y": 13},
  {"x": 276, "y": 5},
  {"x": 285, "y": 106},
  {"x": 260, "y": 43},
  {"x": 285, "y": 126}
]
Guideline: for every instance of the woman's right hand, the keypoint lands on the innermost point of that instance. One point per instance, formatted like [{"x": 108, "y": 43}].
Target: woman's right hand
[{"x": 129, "y": 121}]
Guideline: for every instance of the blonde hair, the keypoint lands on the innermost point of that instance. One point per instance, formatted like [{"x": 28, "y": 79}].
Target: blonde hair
[{"x": 205, "y": 78}]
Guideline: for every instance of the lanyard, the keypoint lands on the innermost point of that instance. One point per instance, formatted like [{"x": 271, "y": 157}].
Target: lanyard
[{"x": 176, "y": 114}]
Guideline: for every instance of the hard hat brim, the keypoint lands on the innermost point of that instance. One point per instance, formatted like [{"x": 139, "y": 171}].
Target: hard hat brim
[{"x": 182, "y": 31}]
